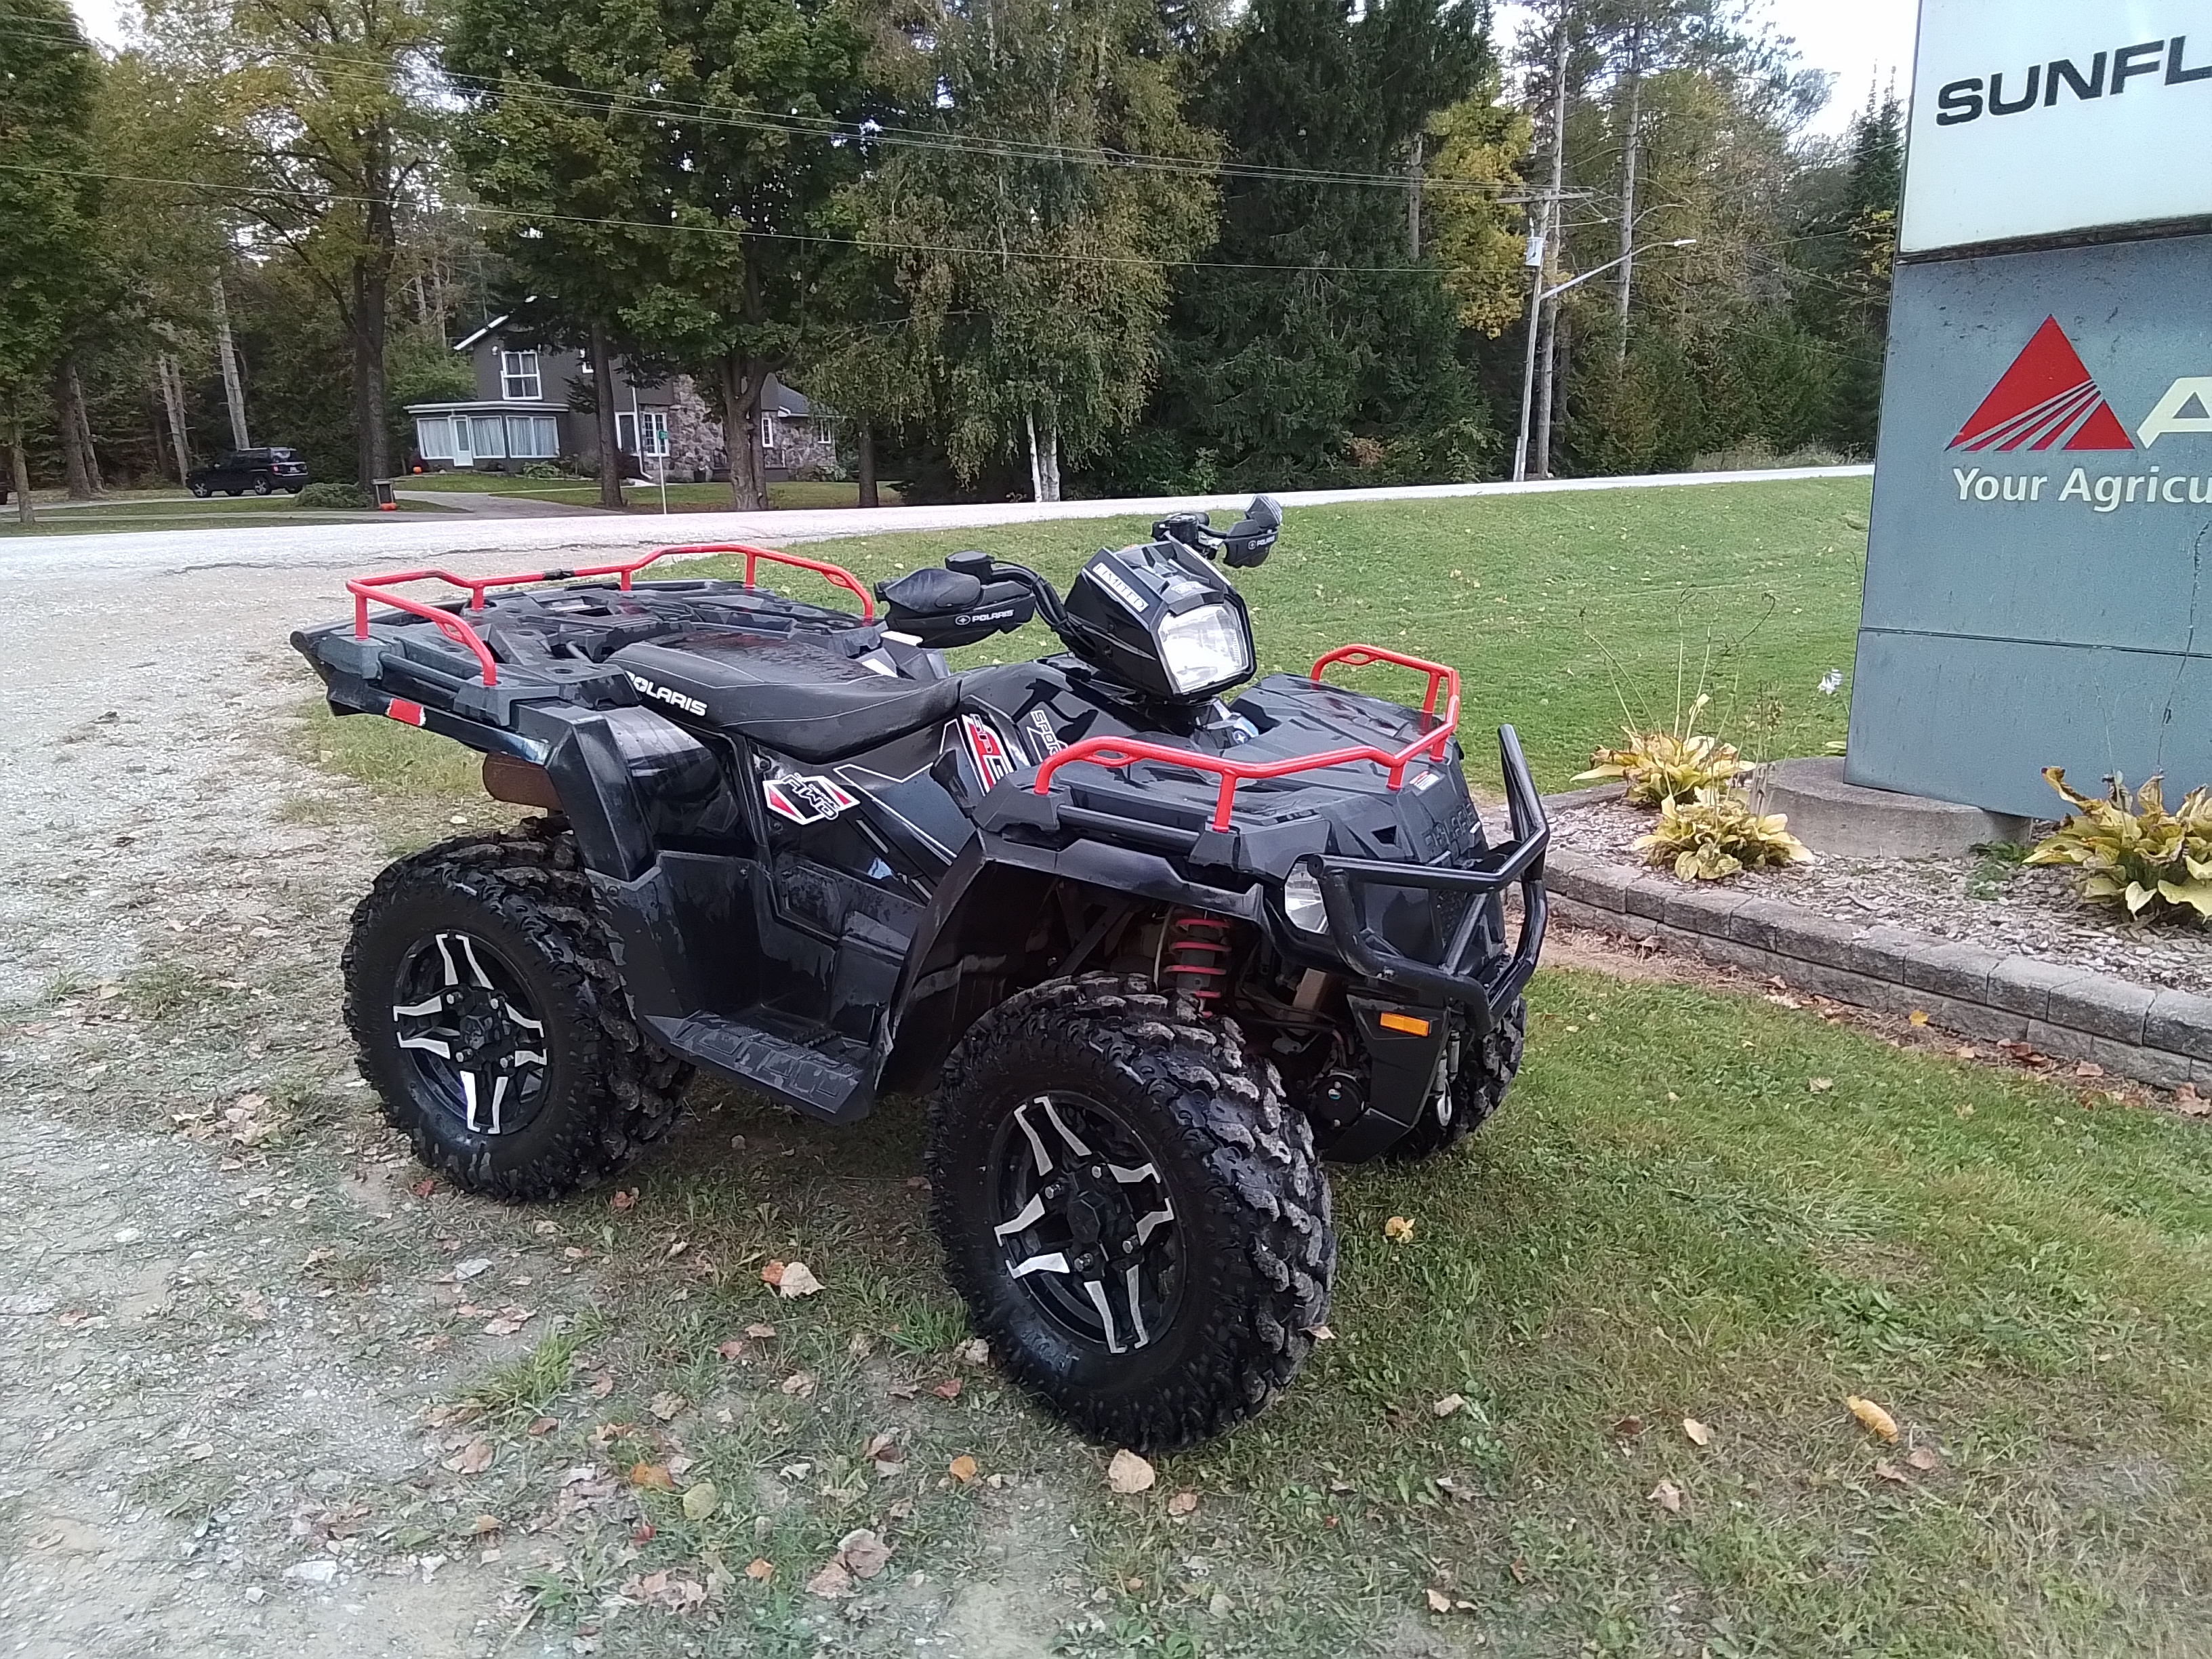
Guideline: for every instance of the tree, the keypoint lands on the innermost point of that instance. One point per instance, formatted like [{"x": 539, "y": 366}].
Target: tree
[
  {"x": 1476, "y": 151},
  {"x": 1309, "y": 345},
  {"x": 1042, "y": 180},
  {"x": 323, "y": 133}
]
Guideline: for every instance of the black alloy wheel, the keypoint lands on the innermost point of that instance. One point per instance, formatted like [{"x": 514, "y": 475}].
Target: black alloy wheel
[
  {"x": 261, "y": 486},
  {"x": 471, "y": 1033},
  {"x": 1090, "y": 1230},
  {"x": 202, "y": 490}
]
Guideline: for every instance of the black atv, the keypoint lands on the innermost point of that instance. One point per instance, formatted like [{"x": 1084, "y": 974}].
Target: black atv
[{"x": 1158, "y": 951}]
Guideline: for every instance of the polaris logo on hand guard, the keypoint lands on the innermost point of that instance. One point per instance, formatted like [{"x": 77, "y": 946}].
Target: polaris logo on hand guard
[{"x": 646, "y": 688}]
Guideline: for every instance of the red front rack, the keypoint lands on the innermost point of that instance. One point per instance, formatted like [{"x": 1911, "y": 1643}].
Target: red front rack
[
  {"x": 365, "y": 588},
  {"x": 1118, "y": 752}
]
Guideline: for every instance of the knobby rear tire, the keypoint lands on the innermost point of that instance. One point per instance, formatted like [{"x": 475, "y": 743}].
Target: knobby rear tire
[
  {"x": 1259, "y": 1246},
  {"x": 611, "y": 1091}
]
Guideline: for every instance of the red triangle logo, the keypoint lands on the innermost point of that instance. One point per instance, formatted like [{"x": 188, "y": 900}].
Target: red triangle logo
[{"x": 2046, "y": 400}]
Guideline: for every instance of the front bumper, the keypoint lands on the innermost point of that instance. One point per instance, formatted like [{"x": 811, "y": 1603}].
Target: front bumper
[{"x": 1460, "y": 974}]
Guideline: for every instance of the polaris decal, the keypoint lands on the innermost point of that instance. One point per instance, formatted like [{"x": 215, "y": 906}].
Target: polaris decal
[
  {"x": 988, "y": 750},
  {"x": 1039, "y": 728},
  {"x": 807, "y": 799},
  {"x": 646, "y": 688}
]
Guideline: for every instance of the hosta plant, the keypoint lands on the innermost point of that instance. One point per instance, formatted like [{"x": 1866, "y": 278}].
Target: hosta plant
[
  {"x": 2135, "y": 852},
  {"x": 1716, "y": 833},
  {"x": 1663, "y": 765}
]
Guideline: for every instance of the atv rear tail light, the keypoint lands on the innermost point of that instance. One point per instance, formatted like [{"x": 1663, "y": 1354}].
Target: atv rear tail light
[{"x": 365, "y": 588}]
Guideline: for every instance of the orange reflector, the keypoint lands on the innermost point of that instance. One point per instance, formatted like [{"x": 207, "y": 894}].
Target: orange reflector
[{"x": 1411, "y": 1025}]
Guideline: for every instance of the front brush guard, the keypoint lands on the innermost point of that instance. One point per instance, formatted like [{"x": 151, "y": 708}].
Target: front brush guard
[{"x": 1487, "y": 994}]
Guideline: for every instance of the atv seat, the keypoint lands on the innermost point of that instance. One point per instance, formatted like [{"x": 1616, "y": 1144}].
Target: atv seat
[{"x": 801, "y": 699}]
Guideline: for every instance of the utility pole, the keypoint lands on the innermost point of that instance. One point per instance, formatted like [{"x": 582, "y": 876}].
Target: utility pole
[
  {"x": 1633, "y": 136},
  {"x": 1547, "y": 387},
  {"x": 234, "y": 391},
  {"x": 173, "y": 402},
  {"x": 1414, "y": 200},
  {"x": 1540, "y": 246}
]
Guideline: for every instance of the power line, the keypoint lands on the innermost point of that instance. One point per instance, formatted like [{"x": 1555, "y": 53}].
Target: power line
[{"x": 738, "y": 232}]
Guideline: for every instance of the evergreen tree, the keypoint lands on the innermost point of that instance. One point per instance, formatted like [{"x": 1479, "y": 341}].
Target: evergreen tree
[{"x": 1311, "y": 345}]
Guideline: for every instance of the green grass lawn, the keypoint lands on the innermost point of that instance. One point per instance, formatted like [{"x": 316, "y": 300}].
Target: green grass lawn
[
  {"x": 1552, "y": 607},
  {"x": 1664, "y": 1223},
  {"x": 692, "y": 497},
  {"x": 176, "y": 510}
]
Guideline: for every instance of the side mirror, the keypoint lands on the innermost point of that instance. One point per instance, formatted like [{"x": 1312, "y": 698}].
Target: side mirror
[
  {"x": 1249, "y": 540},
  {"x": 946, "y": 608}
]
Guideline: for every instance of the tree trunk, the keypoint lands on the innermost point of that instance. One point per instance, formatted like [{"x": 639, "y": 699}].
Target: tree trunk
[
  {"x": 1044, "y": 458},
  {"x": 603, "y": 390},
  {"x": 25, "y": 514},
  {"x": 233, "y": 392},
  {"x": 372, "y": 437},
  {"x": 173, "y": 400},
  {"x": 76, "y": 477},
  {"x": 1413, "y": 201},
  {"x": 745, "y": 379},
  {"x": 1562, "y": 355},
  {"x": 84, "y": 426},
  {"x": 1052, "y": 462},
  {"x": 1632, "y": 139},
  {"x": 865, "y": 443}
]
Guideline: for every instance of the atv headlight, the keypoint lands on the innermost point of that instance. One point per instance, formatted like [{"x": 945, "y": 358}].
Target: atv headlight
[
  {"x": 1302, "y": 900},
  {"x": 1204, "y": 648}
]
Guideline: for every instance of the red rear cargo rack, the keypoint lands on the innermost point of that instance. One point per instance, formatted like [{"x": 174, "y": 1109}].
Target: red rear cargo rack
[
  {"x": 1116, "y": 753},
  {"x": 365, "y": 588}
]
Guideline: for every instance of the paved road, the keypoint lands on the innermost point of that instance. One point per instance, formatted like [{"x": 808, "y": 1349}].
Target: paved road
[{"x": 411, "y": 537}]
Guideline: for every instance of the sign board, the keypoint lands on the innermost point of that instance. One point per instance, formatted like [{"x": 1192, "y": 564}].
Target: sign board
[
  {"x": 2039, "y": 584},
  {"x": 2043, "y": 117}
]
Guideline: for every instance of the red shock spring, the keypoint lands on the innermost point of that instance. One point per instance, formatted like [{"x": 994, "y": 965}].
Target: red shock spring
[{"x": 1194, "y": 952}]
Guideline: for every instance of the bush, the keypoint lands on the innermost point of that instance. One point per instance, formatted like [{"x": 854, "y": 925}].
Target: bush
[
  {"x": 2136, "y": 854},
  {"x": 337, "y": 497},
  {"x": 1757, "y": 455},
  {"x": 1719, "y": 835},
  {"x": 1663, "y": 766},
  {"x": 540, "y": 470}
]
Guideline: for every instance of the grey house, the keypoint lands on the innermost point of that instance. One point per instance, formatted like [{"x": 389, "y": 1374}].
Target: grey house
[{"x": 522, "y": 413}]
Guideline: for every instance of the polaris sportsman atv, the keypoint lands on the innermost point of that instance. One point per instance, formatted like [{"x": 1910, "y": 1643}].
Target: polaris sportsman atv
[{"x": 1158, "y": 951}]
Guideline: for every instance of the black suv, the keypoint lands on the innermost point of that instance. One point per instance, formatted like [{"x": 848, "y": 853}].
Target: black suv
[{"x": 261, "y": 470}]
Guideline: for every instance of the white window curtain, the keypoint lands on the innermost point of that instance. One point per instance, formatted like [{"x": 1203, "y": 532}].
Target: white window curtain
[
  {"x": 532, "y": 438},
  {"x": 519, "y": 380},
  {"x": 434, "y": 437},
  {"x": 489, "y": 435}
]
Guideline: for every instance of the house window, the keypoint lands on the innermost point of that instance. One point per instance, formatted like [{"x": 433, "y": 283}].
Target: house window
[
  {"x": 434, "y": 437},
  {"x": 532, "y": 438},
  {"x": 767, "y": 431},
  {"x": 653, "y": 436},
  {"x": 491, "y": 434},
  {"x": 519, "y": 380}
]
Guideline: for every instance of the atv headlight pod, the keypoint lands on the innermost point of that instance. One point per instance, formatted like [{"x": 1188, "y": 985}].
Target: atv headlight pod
[
  {"x": 1302, "y": 900},
  {"x": 1204, "y": 648}
]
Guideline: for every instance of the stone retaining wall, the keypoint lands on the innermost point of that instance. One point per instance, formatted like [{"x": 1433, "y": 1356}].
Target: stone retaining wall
[{"x": 2163, "y": 1038}]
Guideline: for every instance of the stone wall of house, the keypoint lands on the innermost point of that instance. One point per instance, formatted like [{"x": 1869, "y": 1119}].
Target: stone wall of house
[{"x": 695, "y": 448}]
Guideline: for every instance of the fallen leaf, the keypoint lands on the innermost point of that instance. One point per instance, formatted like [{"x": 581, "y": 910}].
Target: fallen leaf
[
  {"x": 800, "y": 1385},
  {"x": 862, "y": 1554},
  {"x": 676, "y": 1248},
  {"x": 798, "y": 1279},
  {"x": 1321, "y": 1333},
  {"x": 1925, "y": 1459},
  {"x": 761, "y": 1332},
  {"x": 471, "y": 1267},
  {"x": 1918, "y": 1016},
  {"x": 831, "y": 1582},
  {"x": 1872, "y": 1417},
  {"x": 1886, "y": 1470},
  {"x": 508, "y": 1321},
  {"x": 603, "y": 1385},
  {"x": 1183, "y": 1502},
  {"x": 485, "y": 1524},
  {"x": 2088, "y": 1068},
  {"x": 860, "y": 1346},
  {"x": 1668, "y": 1496},
  {"x": 1438, "y": 1602},
  {"x": 1129, "y": 1474},
  {"x": 425, "y": 1187},
  {"x": 1820, "y": 1085},
  {"x": 1698, "y": 1433},
  {"x": 759, "y": 1571},
  {"x": 624, "y": 1199},
  {"x": 1398, "y": 1229},
  {"x": 1448, "y": 1405},
  {"x": 699, "y": 1500},
  {"x": 652, "y": 1474},
  {"x": 948, "y": 1389},
  {"x": 732, "y": 1349},
  {"x": 771, "y": 1273},
  {"x": 544, "y": 1425},
  {"x": 667, "y": 1405},
  {"x": 1519, "y": 1569},
  {"x": 1628, "y": 1427},
  {"x": 974, "y": 1352},
  {"x": 963, "y": 1468},
  {"x": 472, "y": 1459}
]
